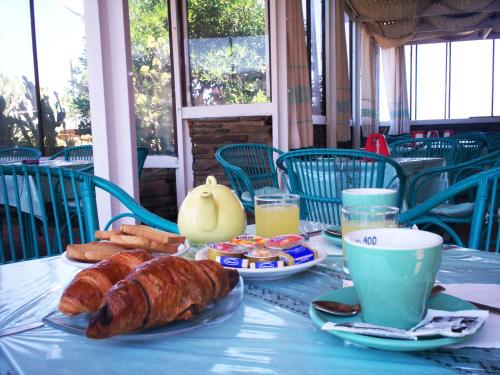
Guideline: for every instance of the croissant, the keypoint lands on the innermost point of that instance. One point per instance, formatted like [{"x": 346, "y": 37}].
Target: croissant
[
  {"x": 86, "y": 291},
  {"x": 158, "y": 292}
]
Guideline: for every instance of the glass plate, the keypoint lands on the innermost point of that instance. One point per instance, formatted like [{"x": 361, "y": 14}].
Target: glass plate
[{"x": 215, "y": 313}]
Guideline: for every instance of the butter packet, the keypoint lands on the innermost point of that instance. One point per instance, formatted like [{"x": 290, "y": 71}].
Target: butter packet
[
  {"x": 232, "y": 262},
  {"x": 268, "y": 264},
  {"x": 298, "y": 254}
]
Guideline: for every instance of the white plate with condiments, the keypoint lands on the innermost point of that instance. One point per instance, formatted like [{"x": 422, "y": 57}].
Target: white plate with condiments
[{"x": 263, "y": 274}]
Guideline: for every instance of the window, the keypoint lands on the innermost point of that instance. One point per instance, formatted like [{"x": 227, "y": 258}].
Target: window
[
  {"x": 43, "y": 102},
  {"x": 227, "y": 52},
  {"x": 314, "y": 20},
  {"x": 151, "y": 64},
  {"x": 454, "y": 80},
  {"x": 470, "y": 78},
  {"x": 430, "y": 81}
]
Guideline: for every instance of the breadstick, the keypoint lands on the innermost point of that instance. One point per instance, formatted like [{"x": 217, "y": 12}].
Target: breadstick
[
  {"x": 152, "y": 234},
  {"x": 92, "y": 251},
  {"x": 158, "y": 247},
  {"x": 105, "y": 234},
  {"x": 130, "y": 242}
]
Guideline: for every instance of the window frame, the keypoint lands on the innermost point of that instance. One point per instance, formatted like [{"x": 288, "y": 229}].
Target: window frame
[
  {"x": 413, "y": 92},
  {"x": 250, "y": 109}
]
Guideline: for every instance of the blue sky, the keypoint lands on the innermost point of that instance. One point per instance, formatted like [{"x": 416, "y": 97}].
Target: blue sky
[{"x": 59, "y": 39}]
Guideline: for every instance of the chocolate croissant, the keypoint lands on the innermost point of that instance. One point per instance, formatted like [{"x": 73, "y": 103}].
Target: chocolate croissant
[
  {"x": 158, "y": 292},
  {"x": 86, "y": 291}
]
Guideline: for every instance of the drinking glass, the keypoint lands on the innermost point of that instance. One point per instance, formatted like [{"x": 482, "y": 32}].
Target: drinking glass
[
  {"x": 366, "y": 217},
  {"x": 277, "y": 214}
]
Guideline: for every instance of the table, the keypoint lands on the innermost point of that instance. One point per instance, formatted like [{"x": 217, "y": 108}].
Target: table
[{"x": 270, "y": 333}]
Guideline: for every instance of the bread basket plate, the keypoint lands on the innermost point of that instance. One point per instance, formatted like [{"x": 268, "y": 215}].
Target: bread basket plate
[
  {"x": 182, "y": 249},
  {"x": 271, "y": 273},
  {"x": 216, "y": 312}
]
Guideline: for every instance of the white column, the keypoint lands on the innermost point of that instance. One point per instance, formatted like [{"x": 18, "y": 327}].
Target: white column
[
  {"x": 111, "y": 100},
  {"x": 184, "y": 172},
  {"x": 279, "y": 73},
  {"x": 331, "y": 74}
]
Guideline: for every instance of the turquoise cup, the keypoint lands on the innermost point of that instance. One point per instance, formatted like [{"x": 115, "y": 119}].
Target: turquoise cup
[
  {"x": 369, "y": 197},
  {"x": 393, "y": 270}
]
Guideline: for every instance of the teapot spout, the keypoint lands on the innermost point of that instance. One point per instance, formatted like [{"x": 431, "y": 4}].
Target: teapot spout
[{"x": 207, "y": 215}]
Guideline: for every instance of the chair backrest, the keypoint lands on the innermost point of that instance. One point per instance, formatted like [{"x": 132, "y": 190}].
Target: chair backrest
[
  {"x": 8, "y": 154},
  {"x": 142, "y": 154},
  {"x": 318, "y": 176},
  {"x": 455, "y": 173},
  {"x": 471, "y": 147},
  {"x": 493, "y": 142},
  {"x": 249, "y": 167},
  {"x": 43, "y": 209},
  {"x": 484, "y": 231},
  {"x": 426, "y": 147},
  {"x": 393, "y": 138},
  {"x": 75, "y": 153}
]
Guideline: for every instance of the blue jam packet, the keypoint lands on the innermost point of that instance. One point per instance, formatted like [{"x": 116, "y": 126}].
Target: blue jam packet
[
  {"x": 232, "y": 262},
  {"x": 297, "y": 255}
]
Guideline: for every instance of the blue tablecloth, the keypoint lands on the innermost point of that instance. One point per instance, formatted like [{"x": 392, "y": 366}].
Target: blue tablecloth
[{"x": 270, "y": 333}]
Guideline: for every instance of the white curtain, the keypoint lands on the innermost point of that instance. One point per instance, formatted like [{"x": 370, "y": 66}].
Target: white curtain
[{"x": 393, "y": 63}]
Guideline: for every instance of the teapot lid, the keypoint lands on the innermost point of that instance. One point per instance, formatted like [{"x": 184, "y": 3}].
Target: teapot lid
[{"x": 212, "y": 185}]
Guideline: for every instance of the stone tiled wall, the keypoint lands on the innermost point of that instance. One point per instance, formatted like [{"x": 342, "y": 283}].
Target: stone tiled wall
[
  {"x": 158, "y": 192},
  {"x": 208, "y": 135}
]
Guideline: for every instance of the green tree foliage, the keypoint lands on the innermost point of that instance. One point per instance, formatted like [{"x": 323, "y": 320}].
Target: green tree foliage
[
  {"x": 19, "y": 116},
  {"x": 152, "y": 75},
  {"x": 227, "y": 51}
]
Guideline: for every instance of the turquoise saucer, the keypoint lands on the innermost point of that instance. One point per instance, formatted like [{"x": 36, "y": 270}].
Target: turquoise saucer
[
  {"x": 348, "y": 295},
  {"x": 336, "y": 240}
]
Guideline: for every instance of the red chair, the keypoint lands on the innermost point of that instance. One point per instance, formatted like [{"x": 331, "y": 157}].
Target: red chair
[
  {"x": 418, "y": 134},
  {"x": 377, "y": 144}
]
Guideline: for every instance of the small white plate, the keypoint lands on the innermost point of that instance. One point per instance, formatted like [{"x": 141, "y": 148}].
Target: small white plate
[
  {"x": 270, "y": 273},
  {"x": 183, "y": 248}
]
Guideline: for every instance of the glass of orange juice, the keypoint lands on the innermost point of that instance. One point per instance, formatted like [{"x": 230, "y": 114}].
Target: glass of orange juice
[
  {"x": 277, "y": 214},
  {"x": 366, "y": 217}
]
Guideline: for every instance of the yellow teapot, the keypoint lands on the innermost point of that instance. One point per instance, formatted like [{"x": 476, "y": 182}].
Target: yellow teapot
[{"x": 211, "y": 213}]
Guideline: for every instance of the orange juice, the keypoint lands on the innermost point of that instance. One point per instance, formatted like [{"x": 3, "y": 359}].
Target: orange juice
[{"x": 274, "y": 219}]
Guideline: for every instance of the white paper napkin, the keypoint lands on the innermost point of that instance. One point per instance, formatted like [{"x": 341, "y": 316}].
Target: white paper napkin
[
  {"x": 487, "y": 294},
  {"x": 321, "y": 242}
]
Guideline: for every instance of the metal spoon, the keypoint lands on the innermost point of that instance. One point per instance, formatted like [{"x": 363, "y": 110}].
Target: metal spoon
[{"x": 345, "y": 309}]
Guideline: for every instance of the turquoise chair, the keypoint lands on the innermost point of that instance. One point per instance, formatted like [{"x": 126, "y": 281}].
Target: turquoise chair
[
  {"x": 393, "y": 138},
  {"x": 250, "y": 169},
  {"x": 75, "y": 153},
  {"x": 142, "y": 154},
  {"x": 318, "y": 176},
  {"x": 38, "y": 218},
  {"x": 493, "y": 142},
  {"x": 426, "y": 147},
  {"x": 9, "y": 154},
  {"x": 460, "y": 209},
  {"x": 484, "y": 231},
  {"x": 471, "y": 147}
]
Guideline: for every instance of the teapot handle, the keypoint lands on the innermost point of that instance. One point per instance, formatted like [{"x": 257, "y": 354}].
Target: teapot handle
[{"x": 211, "y": 180}]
